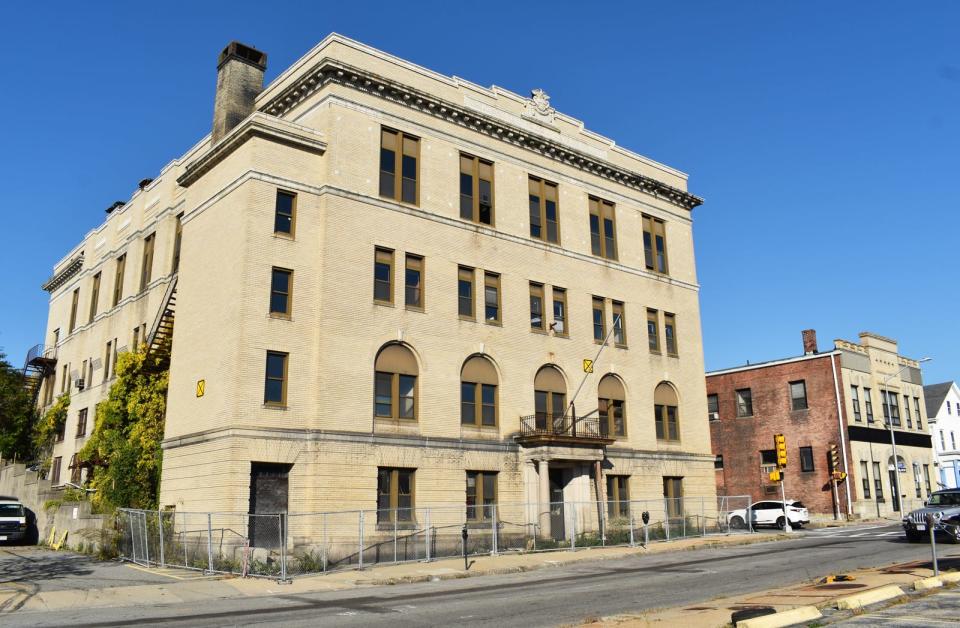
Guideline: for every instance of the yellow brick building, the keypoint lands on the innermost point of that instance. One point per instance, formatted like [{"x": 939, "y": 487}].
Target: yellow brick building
[{"x": 389, "y": 281}]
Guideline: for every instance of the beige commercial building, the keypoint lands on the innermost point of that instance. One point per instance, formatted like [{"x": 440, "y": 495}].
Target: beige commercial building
[
  {"x": 883, "y": 394},
  {"x": 388, "y": 284}
]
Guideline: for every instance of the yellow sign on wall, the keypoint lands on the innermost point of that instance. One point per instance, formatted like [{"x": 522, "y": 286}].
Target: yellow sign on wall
[
  {"x": 588, "y": 366},
  {"x": 201, "y": 387}
]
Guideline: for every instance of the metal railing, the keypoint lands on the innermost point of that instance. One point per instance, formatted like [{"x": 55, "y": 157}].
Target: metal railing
[
  {"x": 284, "y": 546},
  {"x": 544, "y": 424},
  {"x": 39, "y": 352}
]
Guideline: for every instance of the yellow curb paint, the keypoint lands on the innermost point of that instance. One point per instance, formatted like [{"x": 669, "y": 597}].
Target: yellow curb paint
[
  {"x": 783, "y": 618},
  {"x": 859, "y": 600},
  {"x": 923, "y": 584}
]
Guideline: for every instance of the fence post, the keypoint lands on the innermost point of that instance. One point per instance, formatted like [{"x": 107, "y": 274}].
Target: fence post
[
  {"x": 573, "y": 527},
  {"x": 396, "y": 515},
  {"x": 493, "y": 520},
  {"x": 146, "y": 536},
  {"x": 133, "y": 542},
  {"x": 360, "y": 548},
  {"x": 210, "y": 542},
  {"x": 630, "y": 517},
  {"x": 160, "y": 527},
  {"x": 666, "y": 518},
  {"x": 749, "y": 516},
  {"x": 683, "y": 515},
  {"x": 324, "y": 516},
  {"x": 703, "y": 518},
  {"x": 184, "y": 537},
  {"x": 281, "y": 521},
  {"x": 427, "y": 535}
]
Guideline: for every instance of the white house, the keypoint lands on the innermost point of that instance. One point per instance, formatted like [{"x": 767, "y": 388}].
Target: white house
[{"x": 943, "y": 412}]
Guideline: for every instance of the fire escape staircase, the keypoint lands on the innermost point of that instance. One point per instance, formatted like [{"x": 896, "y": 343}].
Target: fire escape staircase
[
  {"x": 161, "y": 333},
  {"x": 41, "y": 362}
]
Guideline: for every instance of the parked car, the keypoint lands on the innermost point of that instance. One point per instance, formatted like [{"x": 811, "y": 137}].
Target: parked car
[
  {"x": 769, "y": 513},
  {"x": 945, "y": 508},
  {"x": 13, "y": 520}
]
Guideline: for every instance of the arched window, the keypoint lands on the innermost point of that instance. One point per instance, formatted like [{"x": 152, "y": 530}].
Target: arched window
[
  {"x": 478, "y": 392},
  {"x": 550, "y": 397},
  {"x": 665, "y": 412},
  {"x": 611, "y": 406},
  {"x": 395, "y": 384}
]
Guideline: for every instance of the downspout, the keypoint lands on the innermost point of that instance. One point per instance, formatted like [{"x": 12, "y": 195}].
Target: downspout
[{"x": 843, "y": 443}]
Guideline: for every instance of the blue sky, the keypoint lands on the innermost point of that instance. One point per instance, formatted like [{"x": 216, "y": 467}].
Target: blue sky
[{"x": 824, "y": 138}]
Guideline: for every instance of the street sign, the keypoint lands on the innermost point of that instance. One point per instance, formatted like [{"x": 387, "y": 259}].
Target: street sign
[
  {"x": 587, "y": 366},
  {"x": 201, "y": 387}
]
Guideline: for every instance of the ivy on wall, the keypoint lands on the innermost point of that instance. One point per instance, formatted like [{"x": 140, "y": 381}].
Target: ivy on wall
[
  {"x": 48, "y": 427},
  {"x": 124, "y": 448}
]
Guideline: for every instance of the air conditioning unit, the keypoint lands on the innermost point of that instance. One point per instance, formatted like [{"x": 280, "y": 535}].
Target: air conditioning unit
[
  {"x": 79, "y": 383},
  {"x": 714, "y": 416}
]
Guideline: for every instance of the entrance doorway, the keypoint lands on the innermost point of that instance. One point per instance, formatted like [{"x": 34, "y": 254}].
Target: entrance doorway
[
  {"x": 268, "y": 496},
  {"x": 557, "y": 483}
]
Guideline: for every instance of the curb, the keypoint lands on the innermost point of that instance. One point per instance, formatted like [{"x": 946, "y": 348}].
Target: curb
[
  {"x": 782, "y": 618},
  {"x": 925, "y": 584},
  {"x": 859, "y": 600},
  {"x": 953, "y": 576}
]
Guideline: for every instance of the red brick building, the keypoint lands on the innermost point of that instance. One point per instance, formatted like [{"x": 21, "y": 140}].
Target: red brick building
[{"x": 801, "y": 398}]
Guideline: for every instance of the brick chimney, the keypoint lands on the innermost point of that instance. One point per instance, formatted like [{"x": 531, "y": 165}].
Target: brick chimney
[
  {"x": 239, "y": 80},
  {"x": 809, "y": 341}
]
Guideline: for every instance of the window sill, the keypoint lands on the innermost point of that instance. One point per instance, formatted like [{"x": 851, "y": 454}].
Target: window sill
[
  {"x": 392, "y": 419},
  {"x": 284, "y": 236},
  {"x": 274, "y": 406},
  {"x": 655, "y": 352},
  {"x": 469, "y": 319},
  {"x": 745, "y": 416},
  {"x": 620, "y": 346},
  {"x": 534, "y": 330},
  {"x": 494, "y": 323},
  {"x": 383, "y": 303},
  {"x": 282, "y": 317},
  {"x": 673, "y": 355},
  {"x": 414, "y": 308}
]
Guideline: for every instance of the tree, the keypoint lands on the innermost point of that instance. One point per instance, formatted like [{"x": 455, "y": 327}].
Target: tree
[
  {"x": 124, "y": 448},
  {"x": 16, "y": 414}
]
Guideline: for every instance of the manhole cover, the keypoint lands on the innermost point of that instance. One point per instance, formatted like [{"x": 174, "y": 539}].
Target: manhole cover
[{"x": 839, "y": 586}]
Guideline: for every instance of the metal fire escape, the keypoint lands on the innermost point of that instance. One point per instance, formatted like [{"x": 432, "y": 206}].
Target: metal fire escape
[
  {"x": 41, "y": 362},
  {"x": 161, "y": 333}
]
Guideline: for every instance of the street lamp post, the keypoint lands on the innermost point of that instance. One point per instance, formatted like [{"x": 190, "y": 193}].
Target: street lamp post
[{"x": 893, "y": 438}]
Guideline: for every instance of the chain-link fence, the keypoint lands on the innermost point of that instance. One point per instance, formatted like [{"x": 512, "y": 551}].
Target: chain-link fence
[{"x": 290, "y": 545}]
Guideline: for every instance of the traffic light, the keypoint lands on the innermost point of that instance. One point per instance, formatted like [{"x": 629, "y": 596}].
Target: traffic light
[
  {"x": 780, "y": 444},
  {"x": 775, "y": 475},
  {"x": 834, "y": 458}
]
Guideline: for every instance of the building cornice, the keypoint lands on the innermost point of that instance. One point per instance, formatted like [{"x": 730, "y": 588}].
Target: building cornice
[
  {"x": 330, "y": 71},
  {"x": 73, "y": 267},
  {"x": 256, "y": 125},
  {"x": 761, "y": 365}
]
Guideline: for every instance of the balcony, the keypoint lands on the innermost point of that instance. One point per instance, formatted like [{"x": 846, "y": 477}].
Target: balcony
[{"x": 546, "y": 429}]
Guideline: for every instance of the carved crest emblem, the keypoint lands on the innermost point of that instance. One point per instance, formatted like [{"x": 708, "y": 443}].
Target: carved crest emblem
[{"x": 539, "y": 105}]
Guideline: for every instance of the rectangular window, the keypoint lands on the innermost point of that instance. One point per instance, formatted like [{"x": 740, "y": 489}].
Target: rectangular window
[
  {"x": 916, "y": 480},
  {"x": 718, "y": 461},
  {"x": 926, "y": 478},
  {"x": 135, "y": 341},
  {"x": 665, "y": 422},
  {"x": 60, "y": 433},
  {"x": 478, "y": 404},
  {"x": 395, "y": 395},
  {"x": 476, "y": 189},
  {"x": 891, "y": 408},
  {"x": 400, "y": 186},
  {"x": 177, "y": 241},
  {"x": 670, "y": 333},
  {"x": 275, "y": 382},
  {"x": 713, "y": 406},
  {"x": 868, "y": 404},
  {"x": 118, "y": 280},
  {"x": 481, "y": 495},
  {"x": 413, "y": 282},
  {"x": 491, "y": 297},
  {"x": 619, "y": 324},
  {"x": 877, "y": 481},
  {"x": 653, "y": 331},
  {"x": 536, "y": 306},
  {"x": 281, "y": 292},
  {"x": 55, "y": 470},
  {"x": 465, "y": 299},
  {"x": 603, "y": 230},
  {"x": 618, "y": 495},
  {"x": 560, "y": 311},
  {"x": 916, "y": 412},
  {"x": 599, "y": 319},
  {"x": 798, "y": 395},
  {"x": 82, "y": 423},
  {"x": 865, "y": 478},
  {"x": 107, "y": 360},
  {"x": 673, "y": 495},
  {"x": 943, "y": 442},
  {"x": 284, "y": 216},
  {"x": 383, "y": 275},
  {"x": 395, "y": 494},
  {"x": 953, "y": 441},
  {"x": 855, "y": 399},
  {"x": 544, "y": 215},
  {"x": 806, "y": 458},
  {"x": 906, "y": 412},
  {"x": 75, "y": 301},
  {"x": 654, "y": 244},
  {"x": 146, "y": 265},
  {"x": 94, "y": 297},
  {"x": 768, "y": 456},
  {"x": 610, "y": 412},
  {"x": 744, "y": 402}
]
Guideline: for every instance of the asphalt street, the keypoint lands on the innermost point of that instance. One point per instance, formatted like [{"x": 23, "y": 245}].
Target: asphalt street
[{"x": 548, "y": 597}]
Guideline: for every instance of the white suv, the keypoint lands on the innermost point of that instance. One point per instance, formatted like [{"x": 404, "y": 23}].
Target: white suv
[
  {"x": 769, "y": 513},
  {"x": 13, "y": 520}
]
